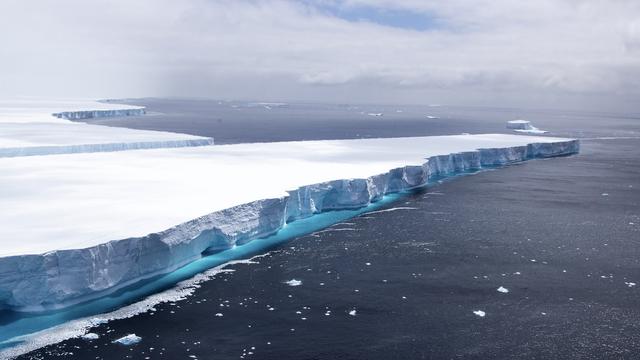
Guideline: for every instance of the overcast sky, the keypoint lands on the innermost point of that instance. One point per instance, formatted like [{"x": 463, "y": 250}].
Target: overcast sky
[{"x": 536, "y": 53}]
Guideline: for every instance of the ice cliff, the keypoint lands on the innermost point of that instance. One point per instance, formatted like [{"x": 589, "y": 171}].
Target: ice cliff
[
  {"x": 43, "y": 132},
  {"x": 101, "y": 147},
  {"x": 60, "y": 278},
  {"x": 90, "y": 114}
]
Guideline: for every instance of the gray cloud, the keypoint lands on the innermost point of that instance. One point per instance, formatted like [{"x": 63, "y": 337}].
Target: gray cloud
[{"x": 536, "y": 53}]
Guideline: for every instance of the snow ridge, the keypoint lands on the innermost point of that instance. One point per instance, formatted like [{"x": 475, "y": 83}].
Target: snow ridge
[{"x": 65, "y": 277}]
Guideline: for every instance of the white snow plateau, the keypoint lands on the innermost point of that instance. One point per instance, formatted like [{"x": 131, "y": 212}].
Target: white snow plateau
[{"x": 81, "y": 222}]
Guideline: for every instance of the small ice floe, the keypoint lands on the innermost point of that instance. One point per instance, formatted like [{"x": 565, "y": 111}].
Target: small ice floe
[
  {"x": 605, "y": 194},
  {"x": 432, "y": 117},
  {"x": 368, "y": 264},
  {"x": 293, "y": 282},
  {"x": 352, "y": 312},
  {"x": 130, "y": 339},
  {"x": 97, "y": 321},
  {"x": 503, "y": 290},
  {"x": 375, "y": 114},
  {"x": 630, "y": 284},
  {"x": 480, "y": 313},
  {"x": 219, "y": 315},
  {"x": 90, "y": 336}
]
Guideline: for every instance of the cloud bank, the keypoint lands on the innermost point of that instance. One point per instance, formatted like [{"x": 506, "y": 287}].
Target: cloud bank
[{"x": 564, "y": 53}]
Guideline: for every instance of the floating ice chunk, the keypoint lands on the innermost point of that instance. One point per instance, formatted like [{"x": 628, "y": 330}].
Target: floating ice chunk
[
  {"x": 503, "y": 290},
  {"x": 605, "y": 194},
  {"x": 97, "y": 321},
  {"x": 130, "y": 339},
  {"x": 375, "y": 114},
  {"x": 524, "y": 126},
  {"x": 630, "y": 284},
  {"x": 219, "y": 315},
  {"x": 352, "y": 312},
  {"x": 432, "y": 117},
  {"x": 480, "y": 313},
  {"x": 293, "y": 282},
  {"x": 90, "y": 336}
]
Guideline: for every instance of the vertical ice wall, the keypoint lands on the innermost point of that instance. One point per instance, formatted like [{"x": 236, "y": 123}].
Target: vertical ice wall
[{"x": 64, "y": 277}]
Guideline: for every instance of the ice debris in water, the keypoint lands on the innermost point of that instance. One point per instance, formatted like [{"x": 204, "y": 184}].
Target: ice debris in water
[
  {"x": 130, "y": 339},
  {"x": 352, "y": 312},
  {"x": 630, "y": 284},
  {"x": 293, "y": 282},
  {"x": 503, "y": 290},
  {"x": 90, "y": 336},
  {"x": 480, "y": 313}
]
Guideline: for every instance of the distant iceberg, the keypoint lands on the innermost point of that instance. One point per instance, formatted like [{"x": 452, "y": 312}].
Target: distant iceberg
[
  {"x": 30, "y": 129},
  {"x": 91, "y": 114},
  {"x": 524, "y": 126}
]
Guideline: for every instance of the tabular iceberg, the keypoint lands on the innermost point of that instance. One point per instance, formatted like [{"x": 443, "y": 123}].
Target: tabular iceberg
[
  {"x": 84, "y": 225},
  {"x": 29, "y": 129},
  {"x": 524, "y": 126},
  {"x": 91, "y": 114}
]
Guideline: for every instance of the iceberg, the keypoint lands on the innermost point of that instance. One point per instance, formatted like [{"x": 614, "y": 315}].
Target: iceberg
[
  {"x": 524, "y": 126},
  {"x": 76, "y": 227},
  {"x": 128, "y": 340},
  {"x": 90, "y": 114},
  {"x": 35, "y": 128}
]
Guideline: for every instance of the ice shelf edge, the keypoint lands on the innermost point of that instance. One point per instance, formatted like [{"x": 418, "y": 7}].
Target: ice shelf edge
[
  {"x": 62, "y": 278},
  {"x": 106, "y": 147}
]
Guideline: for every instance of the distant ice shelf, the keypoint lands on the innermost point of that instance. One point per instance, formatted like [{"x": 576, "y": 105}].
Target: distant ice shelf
[
  {"x": 76, "y": 227},
  {"x": 29, "y": 128}
]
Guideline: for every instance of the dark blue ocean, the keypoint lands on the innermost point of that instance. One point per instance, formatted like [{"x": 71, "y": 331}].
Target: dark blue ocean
[{"x": 402, "y": 280}]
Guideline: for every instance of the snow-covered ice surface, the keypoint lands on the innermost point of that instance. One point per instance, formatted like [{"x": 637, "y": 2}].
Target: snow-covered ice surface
[
  {"x": 73, "y": 227},
  {"x": 30, "y": 128},
  {"x": 34, "y": 110}
]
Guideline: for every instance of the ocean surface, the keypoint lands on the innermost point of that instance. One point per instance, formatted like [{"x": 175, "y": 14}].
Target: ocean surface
[{"x": 407, "y": 279}]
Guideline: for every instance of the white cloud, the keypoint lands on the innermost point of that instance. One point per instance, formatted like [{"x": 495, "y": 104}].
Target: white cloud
[{"x": 485, "y": 51}]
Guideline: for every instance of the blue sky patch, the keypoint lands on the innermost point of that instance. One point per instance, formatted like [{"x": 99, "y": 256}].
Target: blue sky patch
[{"x": 398, "y": 18}]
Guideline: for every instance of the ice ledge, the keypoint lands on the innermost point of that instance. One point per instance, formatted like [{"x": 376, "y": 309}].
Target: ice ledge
[
  {"x": 64, "y": 277},
  {"x": 91, "y": 114},
  {"x": 42, "y": 128},
  {"x": 106, "y": 147}
]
